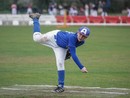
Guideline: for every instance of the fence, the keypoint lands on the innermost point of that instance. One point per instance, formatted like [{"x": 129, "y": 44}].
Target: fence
[{"x": 23, "y": 19}]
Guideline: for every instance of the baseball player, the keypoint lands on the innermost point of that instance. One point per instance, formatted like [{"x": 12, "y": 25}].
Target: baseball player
[{"x": 64, "y": 45}]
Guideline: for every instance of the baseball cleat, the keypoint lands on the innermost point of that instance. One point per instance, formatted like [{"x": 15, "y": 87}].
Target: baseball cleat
[
  {"x": 59, "y": 89},
  {"x": 34, "y": 15}
]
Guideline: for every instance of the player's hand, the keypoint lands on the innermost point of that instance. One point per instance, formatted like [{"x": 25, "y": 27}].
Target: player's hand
[{"x": 84, "y": 70}]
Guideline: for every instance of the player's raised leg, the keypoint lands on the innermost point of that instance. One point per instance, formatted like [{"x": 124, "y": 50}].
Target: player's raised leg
[
  {"x": 36, "y": 27},
  {"x": 35, "y": 17}
]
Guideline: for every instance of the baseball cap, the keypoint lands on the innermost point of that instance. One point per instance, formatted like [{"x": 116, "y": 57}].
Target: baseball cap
[{"x": 84, "y": 30}]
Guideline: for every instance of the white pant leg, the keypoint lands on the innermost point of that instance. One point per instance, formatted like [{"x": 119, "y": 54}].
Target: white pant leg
[
  {"x": 46, "y": 39},
  {"x": 60, "y": 54}
]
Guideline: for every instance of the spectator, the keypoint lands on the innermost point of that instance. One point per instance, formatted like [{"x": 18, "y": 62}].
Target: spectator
[
  {"x": 29, "y": 9},
  {"x": 14, "y": 9},
  {"x": 100, "y": 7},
  {"x": 81, "y": 11},
  {"x": 86, "y": 10},
  {"x": 128, "y": 11},
  {"x": 104, "y": 13},
  {"x": 93, "y": 10},
  {"x": 106, "y": 6},
  {"x": 55, "y": 11},
  {"x": 73, "y": 11},
  {"x": 52, "y": 9},
  {"x": 61, "y": 10}
]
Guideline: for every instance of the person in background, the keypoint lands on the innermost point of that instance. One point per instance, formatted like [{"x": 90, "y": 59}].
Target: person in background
[
  {"x": 128, "y": 11},
  {"x": 29, "y": 9},
  {"x": 73, "y": 10},
  {"x": 61, "y": 10},
  {"x": 86, "y": 10},
  {"x": 14, "y": 9}
]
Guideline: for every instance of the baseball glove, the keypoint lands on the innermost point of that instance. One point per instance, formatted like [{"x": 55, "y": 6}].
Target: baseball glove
[{"x": 68, "y": 55}]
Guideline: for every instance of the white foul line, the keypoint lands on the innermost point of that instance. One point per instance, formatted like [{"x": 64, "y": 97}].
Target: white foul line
[{"x": 72, "y": 89}]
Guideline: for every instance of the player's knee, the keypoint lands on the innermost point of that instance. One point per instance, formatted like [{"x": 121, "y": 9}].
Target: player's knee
[
  {"x": 37, "y": 37},
  {"x": 60, "y": 66}
]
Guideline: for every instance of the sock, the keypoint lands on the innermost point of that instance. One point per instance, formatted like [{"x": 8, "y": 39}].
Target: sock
[
  {"x": 36, "y": 27},
  {"x": 61, "y": 77}
]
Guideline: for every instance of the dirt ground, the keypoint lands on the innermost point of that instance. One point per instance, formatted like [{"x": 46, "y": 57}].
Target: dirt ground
[{"x": 46, "y": 91}]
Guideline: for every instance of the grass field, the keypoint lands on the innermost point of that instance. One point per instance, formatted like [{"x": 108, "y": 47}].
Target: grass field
[{"x": 106, "y": 55}]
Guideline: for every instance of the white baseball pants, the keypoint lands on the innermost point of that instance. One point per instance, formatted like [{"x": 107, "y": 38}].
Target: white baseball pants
[{"x": 49, "y": 40}]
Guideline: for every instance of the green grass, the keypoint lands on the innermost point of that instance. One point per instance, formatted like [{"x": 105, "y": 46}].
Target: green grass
[{"x": 106, "y": 55}]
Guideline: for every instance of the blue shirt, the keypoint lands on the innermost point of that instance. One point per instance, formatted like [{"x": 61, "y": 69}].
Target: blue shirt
[{"x": 68, "y": 40}]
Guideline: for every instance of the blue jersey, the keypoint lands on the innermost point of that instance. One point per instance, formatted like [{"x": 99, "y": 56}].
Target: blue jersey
[{"x": 68, "y": 40}]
